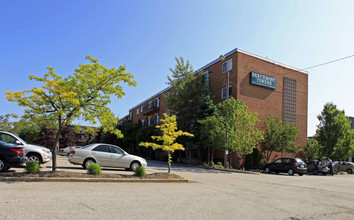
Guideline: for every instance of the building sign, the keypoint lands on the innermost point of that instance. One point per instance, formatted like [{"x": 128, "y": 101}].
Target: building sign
[{"x": 262, "y": 80}]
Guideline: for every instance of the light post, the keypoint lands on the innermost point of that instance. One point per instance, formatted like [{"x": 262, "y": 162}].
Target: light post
[{"x": 222, "y": 58}]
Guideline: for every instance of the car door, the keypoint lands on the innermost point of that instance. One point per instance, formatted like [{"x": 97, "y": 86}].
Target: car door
[
  {"x": 276, "y": 165},
  {"x": 287, "y": 164},
  {"x": 102, "y": 155},
  {"x": 119, "y": 158}
]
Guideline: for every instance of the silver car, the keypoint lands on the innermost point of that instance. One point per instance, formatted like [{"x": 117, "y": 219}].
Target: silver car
[
  {"x": 35, "y": 153},
  {"x": 105, "y": 155}
]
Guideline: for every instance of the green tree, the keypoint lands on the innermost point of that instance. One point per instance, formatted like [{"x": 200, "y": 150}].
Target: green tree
[
  {"x": 278, "y": 137},
  {"x": 333, "y": 134},
  {"x": 243, "y": 135},
  {"x": 190, "y": 100},
  {"x": 212, "y": 135},
  {"x": 84, "y": 95},
  {"x": 312, "y": 150},
  {"x": 7, "y": 125},
  {"x": 168, "y": 137}
]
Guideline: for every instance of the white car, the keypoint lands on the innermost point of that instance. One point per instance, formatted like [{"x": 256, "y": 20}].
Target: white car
[
  {"x": 35, "y": 153},
  {"x": 105, "y": 155}
]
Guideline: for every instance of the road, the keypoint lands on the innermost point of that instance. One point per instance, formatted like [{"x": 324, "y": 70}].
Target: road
[{"x": 213, "y": 195}]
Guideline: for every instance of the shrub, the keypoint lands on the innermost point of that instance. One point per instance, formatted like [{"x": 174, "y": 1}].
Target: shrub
[
  {"x": 140, "y": 171},
  {"x": 94, "y": 169},
  {"x": 32, "y": 167}
]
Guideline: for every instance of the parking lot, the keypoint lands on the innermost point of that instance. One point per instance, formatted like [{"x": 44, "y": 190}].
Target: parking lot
[{"x": 214, "y": 195}]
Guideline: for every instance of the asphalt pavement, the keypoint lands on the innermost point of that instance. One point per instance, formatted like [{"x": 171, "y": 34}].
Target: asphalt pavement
[{"x": 215, "y": 194}]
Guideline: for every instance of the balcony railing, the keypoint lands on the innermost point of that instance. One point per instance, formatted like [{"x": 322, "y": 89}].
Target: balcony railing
[{"x": 150, "y": 108}]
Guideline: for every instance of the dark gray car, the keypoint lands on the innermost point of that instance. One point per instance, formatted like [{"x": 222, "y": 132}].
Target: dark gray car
[{"x": 286, "y": 165}]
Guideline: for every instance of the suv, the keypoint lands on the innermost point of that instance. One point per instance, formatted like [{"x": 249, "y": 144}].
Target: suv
[
  {"x": 33, "y": 152},
  {"x": 286, "y": 165}
]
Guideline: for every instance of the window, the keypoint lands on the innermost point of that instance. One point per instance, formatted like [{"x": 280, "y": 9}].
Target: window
[
  {"x": 227, "y": 66},
  {"x": 289, "y": 100},
  {"x": 142, "y": 122},
  {"x": 278, "y": 161},
  {"x": 149, "y": 121},
  {"x": 205, "y": 78},
  {"x": 288, "y": 161},
  {"x": 149, "y": 106},
  {"x": 7, "y": 138},
  {"x": 116, "y": 150},
  {"x": 156, "y": 119},
  {"x": 130, "y": 116},
  {"x": 223, "y": 92},
  {"x": 102, "y": 148},
  {"x": 142, "y": 109},
  {"x": 137, "y": 111},
  {"x": 176, "y": 92},
  {"x": 157, "y": 102}
]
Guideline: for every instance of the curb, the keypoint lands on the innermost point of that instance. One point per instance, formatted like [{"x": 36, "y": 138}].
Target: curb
[
  {"x": 99, "y": 180},
  {"x": 234, "y": 171}
]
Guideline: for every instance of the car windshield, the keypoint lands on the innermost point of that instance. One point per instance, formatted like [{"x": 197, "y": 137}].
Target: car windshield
[
  {"x": 24, "y": 142},
  {"x": 86, "y": 146},
  {"x": 299, "y": 160}
]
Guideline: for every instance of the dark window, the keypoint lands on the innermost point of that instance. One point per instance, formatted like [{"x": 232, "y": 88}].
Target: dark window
[
  {"x": 116, "y": 150},
  {"x": 102, "y": 148},
  {"x": 289, "y": 100},
  {"x": 278, "y": 161},
  {"x": 287, "y": 161},
  {"x": 7, "y": 138}
]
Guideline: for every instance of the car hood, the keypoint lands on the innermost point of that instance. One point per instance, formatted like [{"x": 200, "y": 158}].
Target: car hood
[
  {"x": 136, "y": 157},
  {"x": 33, "y": 146}
]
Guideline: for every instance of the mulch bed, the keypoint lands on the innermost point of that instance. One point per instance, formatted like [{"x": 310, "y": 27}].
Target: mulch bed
[{"x": 66, "y": 174}]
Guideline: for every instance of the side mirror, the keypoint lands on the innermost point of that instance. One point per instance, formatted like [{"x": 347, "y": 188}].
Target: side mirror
[{"x": 18, "y": 142}]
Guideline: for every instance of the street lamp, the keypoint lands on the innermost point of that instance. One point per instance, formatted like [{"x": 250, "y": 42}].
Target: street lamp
[{"x": 222, "y": 58}]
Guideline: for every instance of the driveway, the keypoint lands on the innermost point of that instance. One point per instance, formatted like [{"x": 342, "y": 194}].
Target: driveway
[{"x": 213, "y": 195}]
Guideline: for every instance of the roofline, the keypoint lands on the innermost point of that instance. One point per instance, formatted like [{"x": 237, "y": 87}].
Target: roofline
[{"x": 217, "y": 60}]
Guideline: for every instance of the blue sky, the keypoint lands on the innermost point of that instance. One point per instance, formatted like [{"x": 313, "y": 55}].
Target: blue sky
[{"x": 148, "y": 35}]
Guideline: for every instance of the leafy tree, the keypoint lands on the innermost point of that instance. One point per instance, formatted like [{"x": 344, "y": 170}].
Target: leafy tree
[
  {"x": 84, "y": 95},
  {"x": 190, "y": 100},
  {"x": 168, "y": 137},
  {"x": 312, "y": 149},
  {"x": 278, "y": 137},
  {"x": 212, "y": 134},
  {"x": 30, "y": 132},
  {"x": 333, "y": 134},
  {"x": 243, "y": 135},
  {"x": 6, "y": 124}
]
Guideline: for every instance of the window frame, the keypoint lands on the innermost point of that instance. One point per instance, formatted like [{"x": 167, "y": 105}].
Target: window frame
[{"x": 226, "y": 64}]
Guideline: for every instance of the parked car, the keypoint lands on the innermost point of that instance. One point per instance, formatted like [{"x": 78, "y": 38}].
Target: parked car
[
  {"x": 11, "y": 155},
  {"x": 35, "y": 153},
  {"x": 105, "y": 155},
  {"x": 312, "y": 166},
  {"x": 286, "y": 165},
  {"x": 344, "y": 166},
  {"x": 66, "y": 150}
]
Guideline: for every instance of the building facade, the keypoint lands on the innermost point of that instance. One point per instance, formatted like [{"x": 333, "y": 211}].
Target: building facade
[{"x": 265, "y": 86}]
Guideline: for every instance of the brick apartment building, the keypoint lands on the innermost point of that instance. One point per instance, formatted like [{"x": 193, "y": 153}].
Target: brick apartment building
[{"x": 265, "y": 86}]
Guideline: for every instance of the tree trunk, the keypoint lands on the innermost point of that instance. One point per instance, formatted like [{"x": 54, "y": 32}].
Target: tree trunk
[
  {"x": 230, "y": 160},
  {"x": 209, "y": 156},
  {"x": 169, "y": 161},
  {"x": 212, "y": 155},
  {"x": 56, "y": 145}
]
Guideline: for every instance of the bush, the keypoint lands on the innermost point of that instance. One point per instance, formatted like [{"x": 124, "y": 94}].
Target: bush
[
  {"x": 140, "y": 171},
  {"x": 94, "y": 169},
  {"x": 32, "y": 167}
]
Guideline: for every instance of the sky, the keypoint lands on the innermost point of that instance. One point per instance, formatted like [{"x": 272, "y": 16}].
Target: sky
[{"x": 146, "y": 36}]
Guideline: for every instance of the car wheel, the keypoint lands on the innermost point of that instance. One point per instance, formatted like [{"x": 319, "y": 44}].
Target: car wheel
[
  {"x": 3, "y": 165},
  {"x": 267, "y": 170},
  {"x": 134, "y": 165},
  {"x": 315, "y": 172},
  {"x": 87, "y": 163},
  {"x": 291, "y": 172},
  {"x": 277, "y": 172},
  {"x": 349, "y": 171},
  {"x": 34, "y": 157},
  {"x": 300, "y": 174}
]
